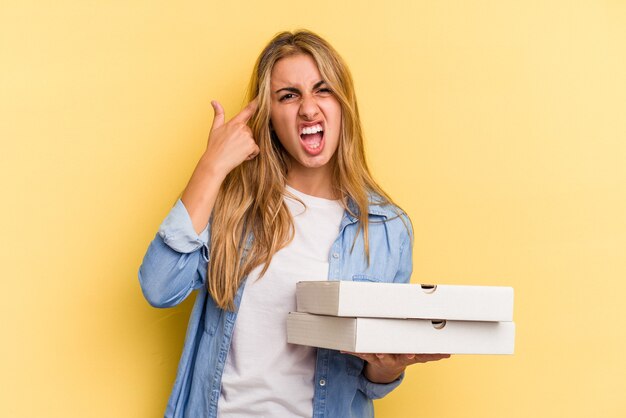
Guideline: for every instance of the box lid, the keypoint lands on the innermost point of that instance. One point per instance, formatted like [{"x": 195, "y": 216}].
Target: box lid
[{"x": 399, "y": 300}]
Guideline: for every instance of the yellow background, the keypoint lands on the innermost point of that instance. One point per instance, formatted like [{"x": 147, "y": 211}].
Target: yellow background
[{"x": 500, "y": 127}]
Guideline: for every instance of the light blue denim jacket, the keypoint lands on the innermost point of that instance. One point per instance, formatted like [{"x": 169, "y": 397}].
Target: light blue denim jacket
[{"x": 176, "y": 264}]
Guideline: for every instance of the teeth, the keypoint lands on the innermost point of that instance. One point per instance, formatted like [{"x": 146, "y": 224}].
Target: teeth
[{"x": 311, "y": 130}]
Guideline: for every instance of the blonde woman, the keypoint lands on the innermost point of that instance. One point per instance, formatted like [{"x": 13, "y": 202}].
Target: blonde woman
[{"x": 281, "y": 194}]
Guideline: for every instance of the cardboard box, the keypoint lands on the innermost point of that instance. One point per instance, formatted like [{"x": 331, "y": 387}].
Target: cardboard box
[
  {"x": 394, "y": 300},
  {"x": 384, "y": 335}
]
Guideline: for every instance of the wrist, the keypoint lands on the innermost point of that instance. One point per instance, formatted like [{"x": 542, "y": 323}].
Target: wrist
[
  {"x": 382, "y": 375},
  {"x": 211, "y": 168}
]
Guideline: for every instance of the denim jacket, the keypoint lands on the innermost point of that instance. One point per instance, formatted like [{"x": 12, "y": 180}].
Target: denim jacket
[{"x": 175, "y": 264}]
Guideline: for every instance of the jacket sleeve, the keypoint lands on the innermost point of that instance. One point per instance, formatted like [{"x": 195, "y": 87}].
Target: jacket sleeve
[
  {"x": 176, "y": 260},
  {"x": 378, "y": 390},
  {"x": 403, "y": 275}
]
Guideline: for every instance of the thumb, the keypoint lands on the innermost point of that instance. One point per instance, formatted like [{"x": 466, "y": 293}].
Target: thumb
[{"x": 218, "y": 118}]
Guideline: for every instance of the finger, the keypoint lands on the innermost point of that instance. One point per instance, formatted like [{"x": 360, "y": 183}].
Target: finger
[
  {"x": 391, "y": 360},
  {"x": 254, "y": 154},
  {"x": 362, "y": 356},
  {"x": 370, "y": 358},
  {"x": 218, "y": 118},
  {"x": 425, "y": 358},
  {"x": 247, "y": 112},
  {"x": 436, "y": 356}
]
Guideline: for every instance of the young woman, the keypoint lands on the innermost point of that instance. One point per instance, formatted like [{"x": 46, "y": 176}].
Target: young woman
[{"x": 281, "y": 194}]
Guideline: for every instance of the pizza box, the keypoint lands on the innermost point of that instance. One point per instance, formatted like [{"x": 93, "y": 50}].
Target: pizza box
[
  {"x": 387, "y": 335},
  {"x": 400, "y": 300}
]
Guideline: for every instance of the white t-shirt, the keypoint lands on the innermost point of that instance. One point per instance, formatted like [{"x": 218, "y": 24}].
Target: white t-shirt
[{"x": 264, "y": 376}]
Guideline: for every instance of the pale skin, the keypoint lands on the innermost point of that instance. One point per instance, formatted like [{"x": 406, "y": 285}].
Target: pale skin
[
  {"x": 299, "y": 96},
  {"x": 385, "y": 368},
  {"x": 230, "y": 144}
]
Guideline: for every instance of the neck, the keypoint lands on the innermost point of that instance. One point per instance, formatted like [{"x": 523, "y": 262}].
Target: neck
[{"x": 316, "y": 182}]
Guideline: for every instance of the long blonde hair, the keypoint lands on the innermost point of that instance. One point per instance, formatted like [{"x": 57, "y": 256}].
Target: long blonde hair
[{"x": 250, "y": 221}]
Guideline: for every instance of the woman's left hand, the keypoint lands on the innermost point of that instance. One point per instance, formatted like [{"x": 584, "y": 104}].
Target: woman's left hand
[{"x": 385, "y": 368}]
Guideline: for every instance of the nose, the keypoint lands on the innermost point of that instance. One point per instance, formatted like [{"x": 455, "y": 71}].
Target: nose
[{"x": 308, "y": 108}]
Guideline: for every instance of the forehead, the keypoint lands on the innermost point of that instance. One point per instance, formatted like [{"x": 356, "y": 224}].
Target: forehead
[{"x": 295, "y": 70}]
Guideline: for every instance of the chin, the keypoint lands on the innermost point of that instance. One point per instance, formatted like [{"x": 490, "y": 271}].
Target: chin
[{"x": 315, "y": 162}]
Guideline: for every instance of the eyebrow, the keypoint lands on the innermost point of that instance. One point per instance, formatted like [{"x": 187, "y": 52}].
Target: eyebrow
[{"x": 295, "y": 90}]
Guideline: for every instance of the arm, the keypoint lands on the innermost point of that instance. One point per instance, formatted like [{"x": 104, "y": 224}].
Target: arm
[
  {"x": 384, "y": 372},
  {"x": 229, "y": 145},
  {"x": 176, "y": 260}
]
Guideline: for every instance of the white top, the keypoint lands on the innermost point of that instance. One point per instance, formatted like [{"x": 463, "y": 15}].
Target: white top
[{"x": 264, "y": 376}]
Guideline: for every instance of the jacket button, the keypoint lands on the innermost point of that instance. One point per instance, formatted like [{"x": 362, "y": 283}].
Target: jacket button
[
  {"x": 322, "y": 382},
  {"x": 335, "y": 255}
]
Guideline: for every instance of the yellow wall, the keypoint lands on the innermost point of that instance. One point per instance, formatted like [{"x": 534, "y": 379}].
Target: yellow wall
[{"x": 500, "y": 126}]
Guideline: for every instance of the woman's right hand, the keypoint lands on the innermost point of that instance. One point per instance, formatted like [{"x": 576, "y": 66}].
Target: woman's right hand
[{"x": 230, "y": 143}]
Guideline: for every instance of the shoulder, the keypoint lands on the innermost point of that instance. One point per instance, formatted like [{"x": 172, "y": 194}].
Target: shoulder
[{"x": 394, "y": 217}]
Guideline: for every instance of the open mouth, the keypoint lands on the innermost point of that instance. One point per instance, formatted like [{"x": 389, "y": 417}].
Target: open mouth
[{"x": 312, "y": 138}]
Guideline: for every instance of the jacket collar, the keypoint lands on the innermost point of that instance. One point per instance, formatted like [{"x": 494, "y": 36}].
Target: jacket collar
[{"x": 375, "y": 208}]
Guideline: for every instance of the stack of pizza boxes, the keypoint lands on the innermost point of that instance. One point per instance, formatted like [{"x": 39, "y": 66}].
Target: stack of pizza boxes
[{"x": 367, "y": 317}]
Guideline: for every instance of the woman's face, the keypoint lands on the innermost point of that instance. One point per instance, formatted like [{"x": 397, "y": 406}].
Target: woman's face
[{"x": 304, "y": 113}]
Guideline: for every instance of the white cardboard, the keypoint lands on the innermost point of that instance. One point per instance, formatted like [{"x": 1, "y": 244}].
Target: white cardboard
[
  {"x": 399, "y": 300},
  {"x": 384, "y": 335}
]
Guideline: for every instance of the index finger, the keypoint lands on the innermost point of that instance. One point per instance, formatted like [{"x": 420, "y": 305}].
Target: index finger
[{"x": 247, "y": 112}]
